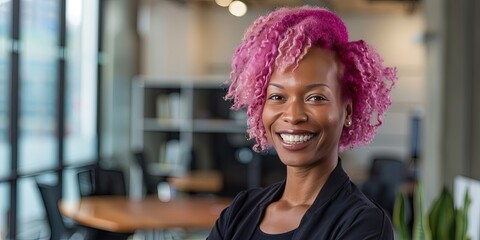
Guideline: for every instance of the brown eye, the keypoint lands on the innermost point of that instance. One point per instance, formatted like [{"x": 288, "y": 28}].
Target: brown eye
[
  {"x": 317, "y": 98},
  {"x": 276, "y": 98}
]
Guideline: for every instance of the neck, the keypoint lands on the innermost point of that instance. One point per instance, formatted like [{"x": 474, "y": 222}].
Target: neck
[{"x": 303, "y": 185}]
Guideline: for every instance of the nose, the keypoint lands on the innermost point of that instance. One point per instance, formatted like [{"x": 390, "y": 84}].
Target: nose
[{"x": 294, "y": 112}]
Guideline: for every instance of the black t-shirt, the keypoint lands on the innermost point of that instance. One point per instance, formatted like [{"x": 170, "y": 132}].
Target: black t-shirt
[
  {"x": 260, "y": 235},
  {"x": 340, "y": 211}
]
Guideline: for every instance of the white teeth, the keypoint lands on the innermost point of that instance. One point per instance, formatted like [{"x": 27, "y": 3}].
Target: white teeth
[{"x": 295, "y": 138}]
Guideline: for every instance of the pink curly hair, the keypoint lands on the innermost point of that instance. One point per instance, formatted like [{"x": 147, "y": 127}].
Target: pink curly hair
[{"x": 280, "y": 40}]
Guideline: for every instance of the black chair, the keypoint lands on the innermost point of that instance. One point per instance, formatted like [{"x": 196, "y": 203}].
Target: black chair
[
  {"x": 58, "y": 228},
  {"x": 386, "y": 176},
  {"x": 98, "y": 181},
  {"x": 150, "y": 181},
  {"x": 243, "y": 168}
]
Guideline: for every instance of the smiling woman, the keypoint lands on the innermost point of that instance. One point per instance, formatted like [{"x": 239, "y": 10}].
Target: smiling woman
[
  {"x": 304, "y": 112},
  {"x": 310, "y": 94}
]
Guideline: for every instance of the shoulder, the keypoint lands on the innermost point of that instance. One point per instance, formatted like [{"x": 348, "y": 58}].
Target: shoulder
[
  {"x": 366, "y": 220},
  {"x": 360, "y": 207},
  {"x": 370, "y": 223}
]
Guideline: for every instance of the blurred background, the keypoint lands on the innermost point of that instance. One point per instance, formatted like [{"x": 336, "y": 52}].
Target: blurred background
[{"x": 136, "y": 85}]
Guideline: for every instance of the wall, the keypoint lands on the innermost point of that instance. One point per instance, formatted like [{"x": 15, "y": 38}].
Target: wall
[
  {"x": 462, "y": 76},
  {"x": 188, "y": 39},
  {"x": 452, "y": 134},
  {"x": 432, "y": 167},
  {"x": 398, "y": 38},
  {"x": 119, "y": 67},
  {"x": 182, "y": 40},
  {"x": 164, "y": 38}
]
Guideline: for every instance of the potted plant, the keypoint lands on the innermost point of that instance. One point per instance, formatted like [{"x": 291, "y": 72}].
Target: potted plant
[{"x": 442, "y": 222}]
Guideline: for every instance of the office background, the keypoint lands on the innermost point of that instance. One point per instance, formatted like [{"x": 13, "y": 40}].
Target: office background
[{"x": 69, "y": 64}]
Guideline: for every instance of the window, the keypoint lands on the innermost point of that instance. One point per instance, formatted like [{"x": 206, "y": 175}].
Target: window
[
  {"x": 44, "y": 152},
  {"x": 5, "y": 17},
  {"x": 4, "y": 206},
  {"x": 39, "y": 32},
  {"x": 80, "y": 107}
]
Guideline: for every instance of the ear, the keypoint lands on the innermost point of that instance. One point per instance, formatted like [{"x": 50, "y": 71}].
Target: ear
[{"x": 348, "y": 113}]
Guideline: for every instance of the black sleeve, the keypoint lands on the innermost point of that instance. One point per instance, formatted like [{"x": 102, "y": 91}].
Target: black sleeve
[
  {"x": 221, "y": 225},
  {"x": 371, "y": 224}
]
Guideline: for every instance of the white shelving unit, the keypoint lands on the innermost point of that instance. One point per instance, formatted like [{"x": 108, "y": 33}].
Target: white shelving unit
[{"x": 171, "y": 117}]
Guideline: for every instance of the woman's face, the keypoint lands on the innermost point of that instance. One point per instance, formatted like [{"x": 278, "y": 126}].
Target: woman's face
[{"x": 304, "y": 113}]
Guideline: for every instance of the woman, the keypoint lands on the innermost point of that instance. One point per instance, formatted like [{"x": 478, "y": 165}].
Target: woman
[{"x": 310, "y": 94}]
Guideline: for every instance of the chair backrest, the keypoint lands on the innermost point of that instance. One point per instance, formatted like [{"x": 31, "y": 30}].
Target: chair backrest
[
  {"x": 98, "y": 181},
  {"x": 386, "y": 175},
  {"x": 387, "y": 169},
  {"x": 150, "y": 182},
  {"x": 51, "y": 196}
]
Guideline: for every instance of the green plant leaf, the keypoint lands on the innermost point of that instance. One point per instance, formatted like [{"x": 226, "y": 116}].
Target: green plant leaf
[
  {"x": 433, "y": 217},
  {"x": 399, "y": 218},
  {"x": 418, "y": 222},
  {"x": 442, "y": 217},
  {"x": 462, "y": 218}
]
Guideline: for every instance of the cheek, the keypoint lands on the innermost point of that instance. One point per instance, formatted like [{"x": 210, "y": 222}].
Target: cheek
[
  {"x": 335, "y": 120},
  {"x": 329, "y": 119},
  {"x": 268, "y": 118}
]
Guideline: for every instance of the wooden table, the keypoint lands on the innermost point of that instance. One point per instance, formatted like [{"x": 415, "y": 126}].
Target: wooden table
[
  {"x": 198, "y": 181},
  {"x": 121, "y": 214}
]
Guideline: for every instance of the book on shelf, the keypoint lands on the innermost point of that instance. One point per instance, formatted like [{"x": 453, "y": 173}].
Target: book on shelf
[
  {"x": 172, "y": 156},
  {"x": 169, "y": 106}
]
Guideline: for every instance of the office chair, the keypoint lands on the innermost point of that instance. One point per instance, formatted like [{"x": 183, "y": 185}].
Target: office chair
[
  {"x": 98, "y": 181},
  {"x": 386, "y": 176},
  {"x": 58, "y": 229}
]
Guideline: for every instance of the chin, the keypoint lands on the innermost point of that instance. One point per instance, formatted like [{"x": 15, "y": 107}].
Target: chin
[{"x": 296, "y": 159}]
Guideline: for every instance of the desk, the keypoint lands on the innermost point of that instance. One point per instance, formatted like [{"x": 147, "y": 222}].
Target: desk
[
  {"x": 121, "y": 214},
  {"x": 198, "y": 181}
]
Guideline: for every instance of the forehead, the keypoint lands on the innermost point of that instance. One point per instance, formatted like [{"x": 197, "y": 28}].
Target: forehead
[
  {"x": 318, "y": 64},
  {"x": 319, "y": 59}
]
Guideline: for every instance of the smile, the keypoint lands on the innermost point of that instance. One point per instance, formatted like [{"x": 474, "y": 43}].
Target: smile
[{"x": 296, "y": 138}]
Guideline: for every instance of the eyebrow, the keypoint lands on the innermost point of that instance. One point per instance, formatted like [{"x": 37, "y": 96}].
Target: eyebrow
[{"x": 308, "y": 87}]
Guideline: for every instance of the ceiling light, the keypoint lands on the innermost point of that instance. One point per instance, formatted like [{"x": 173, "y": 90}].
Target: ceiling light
[
  {"x": 237, "y": 8},
  {"x": 223, "y": 3}
]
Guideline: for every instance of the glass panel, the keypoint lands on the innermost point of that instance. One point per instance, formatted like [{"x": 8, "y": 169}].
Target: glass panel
[
  {"x": 80, "y": 107},
  {"x": 5, "y": 22},
  {"x": 31, "y": 218},
  {"x": 38, "y": 73},
  {"x": 4, "y": 208},
  {"x": 70, "y": 184}
]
